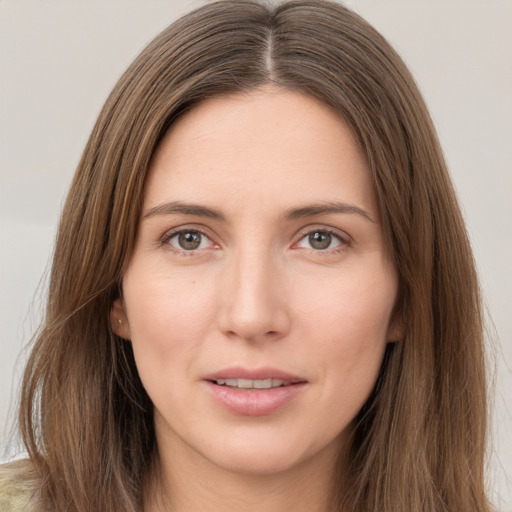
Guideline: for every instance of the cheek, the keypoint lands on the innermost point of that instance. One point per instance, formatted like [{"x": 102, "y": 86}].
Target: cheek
[
  {"x": 354, "y": 350},
  {"x": 349, "y": 320},
  {"x": 351, "y": 306},
  {"x": 168, "y": 317}
]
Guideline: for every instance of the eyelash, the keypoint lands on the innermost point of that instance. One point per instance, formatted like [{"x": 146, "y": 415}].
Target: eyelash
[
  {"x": 165, "y": 240},
  {"x": 345, "y": 241}
]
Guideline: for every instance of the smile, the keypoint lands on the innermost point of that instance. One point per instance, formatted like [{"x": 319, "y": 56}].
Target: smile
[
  {"x": 252, "y": 384},
  {"x": 254, "y": 392}
]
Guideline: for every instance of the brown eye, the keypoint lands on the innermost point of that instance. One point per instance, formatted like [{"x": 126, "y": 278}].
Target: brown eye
[
  {"x": 320, "y": 240},
  {"x": 189, "y": 241}
]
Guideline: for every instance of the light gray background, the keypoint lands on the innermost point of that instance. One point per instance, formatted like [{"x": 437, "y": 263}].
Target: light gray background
[{"x": 59, "y": 60}]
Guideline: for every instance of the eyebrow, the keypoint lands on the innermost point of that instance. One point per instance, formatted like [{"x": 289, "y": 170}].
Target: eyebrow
[
  {"x": 184, "y": 208},
  {"x": 310, "y": 210}
]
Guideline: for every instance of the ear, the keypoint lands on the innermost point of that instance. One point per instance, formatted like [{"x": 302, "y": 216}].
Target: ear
[
  {"x": 395, "y": 331},
  {"x": 119, "y": 321}
]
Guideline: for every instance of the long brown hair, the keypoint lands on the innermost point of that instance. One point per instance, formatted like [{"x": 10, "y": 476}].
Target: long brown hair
[{"x": 419, "y": 442}]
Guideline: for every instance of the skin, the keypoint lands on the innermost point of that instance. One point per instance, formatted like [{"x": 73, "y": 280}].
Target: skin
[{"x": 257, "y": 292}]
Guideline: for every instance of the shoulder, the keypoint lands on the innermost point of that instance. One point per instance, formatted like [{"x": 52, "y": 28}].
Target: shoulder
[{"x": 18, "y": 483}]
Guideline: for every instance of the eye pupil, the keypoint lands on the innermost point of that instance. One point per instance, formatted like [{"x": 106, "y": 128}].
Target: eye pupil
[
  {"x": 189, "y": 240},
  {"x": 319, "y": 240}
]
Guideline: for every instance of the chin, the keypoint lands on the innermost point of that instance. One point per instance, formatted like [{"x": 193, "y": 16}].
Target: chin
[{"x": 271, "y": 456}]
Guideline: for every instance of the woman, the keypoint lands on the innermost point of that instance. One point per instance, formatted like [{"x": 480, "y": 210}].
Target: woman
[{"x": 262, "y": 295}]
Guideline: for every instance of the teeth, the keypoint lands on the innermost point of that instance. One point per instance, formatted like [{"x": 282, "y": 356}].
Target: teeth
[
  {"x": 252, "y": 384},
  {"x": 262, "y": 384},
  {"x": 245, "y": 383}
]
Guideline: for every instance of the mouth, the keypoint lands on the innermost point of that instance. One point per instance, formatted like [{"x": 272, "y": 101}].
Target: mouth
[
  {"x": 253, "y": 378},
  {"x": 250, "y": 392},
  {"x": 252, "y": 383}
]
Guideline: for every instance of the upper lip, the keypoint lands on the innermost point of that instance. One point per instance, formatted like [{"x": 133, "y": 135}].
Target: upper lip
[{"x": 254, "y": 374}]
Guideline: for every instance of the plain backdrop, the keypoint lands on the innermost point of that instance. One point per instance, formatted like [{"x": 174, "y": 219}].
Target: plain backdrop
[{"x": 60, "y": 59}]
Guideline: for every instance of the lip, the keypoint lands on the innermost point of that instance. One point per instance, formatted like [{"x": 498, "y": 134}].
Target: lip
[
  {"x": 254, "y": 374},
  {"x": 254, "y": 402}
]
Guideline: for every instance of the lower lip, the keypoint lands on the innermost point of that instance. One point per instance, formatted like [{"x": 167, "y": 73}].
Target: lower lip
[{"x": 254, "y": 402}]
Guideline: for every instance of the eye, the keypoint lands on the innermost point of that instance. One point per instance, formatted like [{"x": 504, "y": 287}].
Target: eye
[
  {"x": 321, "y": 240},
  {"x": 188, "y": 240}
]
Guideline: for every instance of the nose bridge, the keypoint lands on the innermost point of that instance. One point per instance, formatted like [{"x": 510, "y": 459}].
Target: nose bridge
[{"x": 254, "y": 303}]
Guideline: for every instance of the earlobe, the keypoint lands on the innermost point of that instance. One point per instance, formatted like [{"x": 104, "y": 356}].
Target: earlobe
[
  {"x": 119, "y": 321},
  {"x": 395, "y": 332}
]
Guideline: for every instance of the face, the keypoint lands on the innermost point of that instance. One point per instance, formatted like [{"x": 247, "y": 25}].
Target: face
[{"x": 259, "y": 295}]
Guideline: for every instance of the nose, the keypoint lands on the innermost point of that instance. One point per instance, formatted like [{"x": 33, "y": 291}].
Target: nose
[{"x": 254, "y": 303}]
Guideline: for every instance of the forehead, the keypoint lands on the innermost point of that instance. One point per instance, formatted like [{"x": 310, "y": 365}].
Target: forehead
[{"x": 273, "y": 142}]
